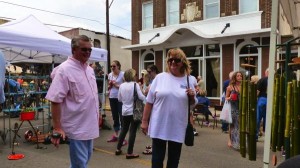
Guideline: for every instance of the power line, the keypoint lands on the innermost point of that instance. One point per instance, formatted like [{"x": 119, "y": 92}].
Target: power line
[{"x": 62, "y": 14}]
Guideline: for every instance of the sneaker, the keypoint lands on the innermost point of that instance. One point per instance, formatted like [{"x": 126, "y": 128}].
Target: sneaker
[{"x": 113, "y": 139}]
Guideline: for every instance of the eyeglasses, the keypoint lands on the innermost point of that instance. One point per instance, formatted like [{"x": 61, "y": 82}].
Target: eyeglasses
[
  {"x": 176, "y": 60},
  {"x": 86, "y": 49},
  {"x": 112, "y": 66}
]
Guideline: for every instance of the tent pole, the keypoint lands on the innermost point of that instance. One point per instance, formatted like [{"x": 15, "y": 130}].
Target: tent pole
[
  {"x": 104, "y": 88},
  {"x": 273, "y": 42}
]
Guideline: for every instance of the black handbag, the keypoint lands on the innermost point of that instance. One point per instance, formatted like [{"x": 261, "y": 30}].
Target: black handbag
[
  {"x": 138, "y": 106},
  {"x": 189, "y": 134}
]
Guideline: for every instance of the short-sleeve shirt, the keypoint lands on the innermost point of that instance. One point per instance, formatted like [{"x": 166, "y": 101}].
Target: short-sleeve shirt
[
  {"x": 169, "y": 115},
  {"x": 74, "y": 87},
  {"x": 125, "y": 96},
  {"x": 262, "y": 85},
  {"x": 113, "y": 93}
]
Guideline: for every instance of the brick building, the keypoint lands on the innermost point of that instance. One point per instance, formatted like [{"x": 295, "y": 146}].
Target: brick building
[{"x": 214, "y": 34}]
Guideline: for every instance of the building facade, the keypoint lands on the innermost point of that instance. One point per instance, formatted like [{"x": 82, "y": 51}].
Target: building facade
[
  {"x": 99, "y": 40},
  {"x": 218, "y": 36}
]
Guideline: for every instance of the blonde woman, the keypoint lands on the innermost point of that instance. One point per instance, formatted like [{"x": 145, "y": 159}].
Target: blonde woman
[
  {"x": 125, "y": 96},
  {"x": 167, "y": 101}
]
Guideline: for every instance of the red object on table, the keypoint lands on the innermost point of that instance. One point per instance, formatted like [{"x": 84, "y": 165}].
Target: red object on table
[{"x": 27, "y": 116}]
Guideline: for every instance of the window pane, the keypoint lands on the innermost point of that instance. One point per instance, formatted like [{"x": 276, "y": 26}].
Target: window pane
[
  {"x": 212, "y": 11},
  {"x": 212, "y": 50},
  {"x": 149, "y": 57},
  {"x": 211, "y": 1},
  {"x": 248, "y": 6},
  {"x": 253, "y": 60},
  {"x": 173, "y": 18},
  {"x": 148, "y": 16},
  {"x": 173, "y": 12},
  {"x": 248, "y": 50},
  {"x": 213, "y": 77}
]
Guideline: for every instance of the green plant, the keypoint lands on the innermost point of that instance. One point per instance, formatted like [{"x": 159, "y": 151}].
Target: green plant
[{"x": 27, "y": 109}]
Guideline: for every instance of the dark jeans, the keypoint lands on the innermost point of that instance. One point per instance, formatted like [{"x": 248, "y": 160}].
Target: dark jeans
[
  {"x": 128, "y": 121},
  {"x": 116, "y": 110},
  {"x": 159, "y": 151},
  {"x": 224, "y": 126}
]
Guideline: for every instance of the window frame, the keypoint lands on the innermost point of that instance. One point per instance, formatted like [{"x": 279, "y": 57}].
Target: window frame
[
  {"x": 143, "y": 16},
  {"x": 204, "y": 9},
  {"x": 257, "y": 6},
  {"x": 168, "y": 12}
]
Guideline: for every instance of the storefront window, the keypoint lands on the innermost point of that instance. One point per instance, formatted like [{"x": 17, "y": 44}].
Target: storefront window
[{"x": 249, "y": 60}]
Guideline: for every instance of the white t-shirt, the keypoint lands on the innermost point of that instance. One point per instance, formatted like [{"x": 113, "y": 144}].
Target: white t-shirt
[
  {"x": 113, "y": 93},
  {"x": 126, "y": 97},
  {"x": 169, "y": 115}
]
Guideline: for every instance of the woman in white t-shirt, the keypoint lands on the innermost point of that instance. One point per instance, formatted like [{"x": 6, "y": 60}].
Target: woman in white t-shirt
[
  {"x": 167, "y": 102},
  {"x": 125, "y": 96},
  {"x": 115, "y": 79}
]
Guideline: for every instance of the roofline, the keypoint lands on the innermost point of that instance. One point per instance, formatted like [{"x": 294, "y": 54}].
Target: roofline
[{"x": 198, "y": 33}]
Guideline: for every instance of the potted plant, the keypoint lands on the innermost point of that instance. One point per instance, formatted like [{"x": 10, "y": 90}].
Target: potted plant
[{"x": 27, "y": 113}]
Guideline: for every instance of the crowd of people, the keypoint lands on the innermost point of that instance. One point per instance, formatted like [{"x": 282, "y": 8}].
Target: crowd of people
[{"x": 167, "y": 95}]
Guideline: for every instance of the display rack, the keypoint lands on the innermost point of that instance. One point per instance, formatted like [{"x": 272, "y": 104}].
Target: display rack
[{"x": 30, "y": 96}]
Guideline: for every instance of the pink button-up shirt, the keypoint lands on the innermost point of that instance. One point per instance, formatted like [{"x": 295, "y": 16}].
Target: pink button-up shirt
[{"x": 74, "y": 87}]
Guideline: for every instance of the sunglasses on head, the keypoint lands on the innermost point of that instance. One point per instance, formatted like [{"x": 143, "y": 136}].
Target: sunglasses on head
[
  {"x": 86, "y": 49},
  {"x": 176, "y": 60}
]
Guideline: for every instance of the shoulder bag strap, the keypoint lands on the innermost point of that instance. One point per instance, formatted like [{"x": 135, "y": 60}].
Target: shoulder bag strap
[
  {"x": 188, "y": 85},
  {"x": 134, "y": 96}
]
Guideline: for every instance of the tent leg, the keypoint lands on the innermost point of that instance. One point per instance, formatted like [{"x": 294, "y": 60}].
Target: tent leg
[{"x": 273, "y": 42}]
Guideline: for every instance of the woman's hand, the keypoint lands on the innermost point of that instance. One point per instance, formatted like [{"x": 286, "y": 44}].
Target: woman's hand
[{"x": 144, "y": 127}]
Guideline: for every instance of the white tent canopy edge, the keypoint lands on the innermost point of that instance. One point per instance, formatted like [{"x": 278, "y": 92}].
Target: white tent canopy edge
[{"x": 29, "y": 40}]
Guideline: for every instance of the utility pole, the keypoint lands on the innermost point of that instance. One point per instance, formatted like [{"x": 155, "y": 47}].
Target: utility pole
[{"x": 107, "y": 36}]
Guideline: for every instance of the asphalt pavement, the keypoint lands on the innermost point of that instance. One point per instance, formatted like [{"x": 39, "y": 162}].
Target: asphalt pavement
[{"x": 210, "y": 151}]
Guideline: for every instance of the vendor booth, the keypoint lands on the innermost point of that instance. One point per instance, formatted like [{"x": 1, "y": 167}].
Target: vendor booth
[{"x": 29, "y": 41}]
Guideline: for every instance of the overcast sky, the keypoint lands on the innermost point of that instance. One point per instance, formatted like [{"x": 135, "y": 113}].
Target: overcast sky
[{"x": 120, "y": 14}]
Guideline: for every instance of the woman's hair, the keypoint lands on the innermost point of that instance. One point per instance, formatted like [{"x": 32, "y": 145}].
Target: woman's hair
[
  {"x": 186, "y": 68},
  {"x": 153, "y": 68},
  {"x": 147, "y": 79},
  {"x": 254, "y": 79},
  {"x": 130, "y": 75},
  {"x": 233, "y": 79},
  {"x": 117, "y": 63},
  {"x": 202, "y": 93}
]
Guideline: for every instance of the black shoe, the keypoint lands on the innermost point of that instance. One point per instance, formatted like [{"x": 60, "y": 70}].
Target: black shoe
[{"x": 118, "y": 152}]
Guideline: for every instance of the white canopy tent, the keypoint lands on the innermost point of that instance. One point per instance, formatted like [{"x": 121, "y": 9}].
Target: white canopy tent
[
  {"x": 29, "y": 40},
  {"x": 291, "y": 10}
]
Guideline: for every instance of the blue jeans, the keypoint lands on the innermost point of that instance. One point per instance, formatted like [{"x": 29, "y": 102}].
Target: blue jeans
[
  {"x": 116, "y": 110},
  {"x": 159, "y": 151},
  {"x": 261, "y": 113},
  {"x": 80, "y": 152}
]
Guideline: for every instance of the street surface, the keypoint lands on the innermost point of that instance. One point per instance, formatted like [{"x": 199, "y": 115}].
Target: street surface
[{"x": 210, "y": 151}]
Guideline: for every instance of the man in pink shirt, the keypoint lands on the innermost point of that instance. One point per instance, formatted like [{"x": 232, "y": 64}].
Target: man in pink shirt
[{"x": 74, "y": 103}]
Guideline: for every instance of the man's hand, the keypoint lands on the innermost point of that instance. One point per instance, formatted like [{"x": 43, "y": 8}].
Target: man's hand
[{"x": 56, "y": 135}]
